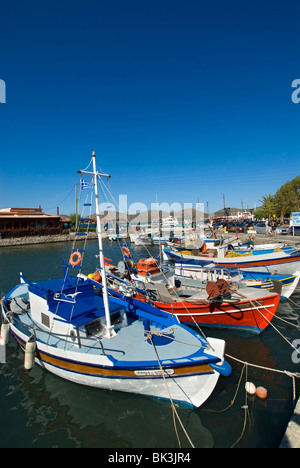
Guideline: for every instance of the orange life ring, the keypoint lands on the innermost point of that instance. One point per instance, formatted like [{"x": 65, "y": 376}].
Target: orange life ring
[
  {"x": 97, "y": 277},
  {"x": 125, "y": 251},
  {"x": 75, "y": 262}
]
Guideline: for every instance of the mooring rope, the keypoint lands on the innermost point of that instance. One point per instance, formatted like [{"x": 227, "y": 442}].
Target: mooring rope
[
  {"x": 293, "y": 375},
  {"x": 174, "y": 411},
  {"x": 294, "y": 303}
]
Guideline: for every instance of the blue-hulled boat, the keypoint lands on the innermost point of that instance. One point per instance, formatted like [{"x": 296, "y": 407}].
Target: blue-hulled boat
[{"x": 277, "y": 261}]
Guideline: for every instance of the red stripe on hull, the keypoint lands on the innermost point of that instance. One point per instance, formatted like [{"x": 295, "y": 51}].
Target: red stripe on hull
[{"x": 259, "y": 263}]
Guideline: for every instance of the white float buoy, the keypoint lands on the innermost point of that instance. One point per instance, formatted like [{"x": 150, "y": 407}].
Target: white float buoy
[
  {"x": 250, "y": 388},
  {"x": 4, "y": 334},
  {"x": 29, "y": 353}
]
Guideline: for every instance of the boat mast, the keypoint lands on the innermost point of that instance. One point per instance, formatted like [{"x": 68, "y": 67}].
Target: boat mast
[{"x": 109, "y": 328}]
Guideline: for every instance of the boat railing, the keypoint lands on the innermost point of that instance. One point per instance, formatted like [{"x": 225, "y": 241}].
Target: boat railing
[
  {"x": 212, "y": 273},
  {"x": 34, "y": 328}
]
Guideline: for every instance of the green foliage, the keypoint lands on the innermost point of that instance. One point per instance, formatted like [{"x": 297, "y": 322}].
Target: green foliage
[
  {"x": 284, "y": 202},
  {"x": 259, "y": 213},
  {"x": 72, "y": 218},
  {"x": 268, "y": 206}
]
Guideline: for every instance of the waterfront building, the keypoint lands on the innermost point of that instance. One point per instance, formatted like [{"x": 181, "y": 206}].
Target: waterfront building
[{"x": 23, "y": 222}]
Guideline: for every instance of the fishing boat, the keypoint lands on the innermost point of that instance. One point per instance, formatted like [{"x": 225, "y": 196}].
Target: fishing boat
[
  {"x": 217, "y": 305},
  {"x": 78, "y": 332},
  {"x": 210, "y": 301},
  {"x": 278, "y": 261},
  {"x": 115, "y": 236},
  {"x": 256, "y": 279},
  {"x": 154, "y": 271},
  {"x": 145, "y": 270},
  {"x": 143, "y": 240}
]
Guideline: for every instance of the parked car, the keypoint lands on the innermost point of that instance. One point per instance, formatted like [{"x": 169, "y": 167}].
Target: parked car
[
  {"x": 260, "y": 228},
  {"x": 237, "y": 227},
  {"x": 282, "y": 230},
  {"x": 221, "y": 225}
]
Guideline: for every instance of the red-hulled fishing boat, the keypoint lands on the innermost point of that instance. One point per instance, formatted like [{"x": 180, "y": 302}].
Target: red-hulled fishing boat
[{"x": 218, "y": 305}]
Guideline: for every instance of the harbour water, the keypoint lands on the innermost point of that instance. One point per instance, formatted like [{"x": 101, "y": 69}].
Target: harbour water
[{"x": 41, "y": 410}]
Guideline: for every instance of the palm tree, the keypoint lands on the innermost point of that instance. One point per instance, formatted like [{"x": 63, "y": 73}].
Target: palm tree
[{"x": 268, "y": 205}]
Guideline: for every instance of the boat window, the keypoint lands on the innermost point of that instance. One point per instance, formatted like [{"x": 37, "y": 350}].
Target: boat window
[
  {"x": 73, "y": 335},
  {"x": 115, "y": 318},
  {"x": 93, "y": 327},
  {"x": 45, "y": 320}
]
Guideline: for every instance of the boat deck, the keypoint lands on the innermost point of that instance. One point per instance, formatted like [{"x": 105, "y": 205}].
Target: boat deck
[{"x": 119, "y": 348}]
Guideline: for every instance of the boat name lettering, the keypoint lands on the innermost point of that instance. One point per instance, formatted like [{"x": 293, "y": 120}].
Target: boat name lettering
[{"x": 154, "y": 372}]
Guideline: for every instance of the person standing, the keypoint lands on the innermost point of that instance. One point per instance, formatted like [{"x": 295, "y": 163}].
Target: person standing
[
  {"x": 268, "y": 228},
  {"x": 274, "y": 228}
]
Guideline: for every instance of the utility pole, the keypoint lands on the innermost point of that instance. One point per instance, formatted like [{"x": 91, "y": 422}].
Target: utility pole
[{"x": 76, "y": 207}]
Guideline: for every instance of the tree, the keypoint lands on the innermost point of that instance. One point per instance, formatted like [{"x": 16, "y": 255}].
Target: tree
[
  {"x": 295, "y": 183},
  {"x": 287, "y": 198},
  {"x": 268, "y": 205},
  {"x": 259, "y": 213},
  {"x": 285, "y": 201},
  {"x": 72, "y": 218}
]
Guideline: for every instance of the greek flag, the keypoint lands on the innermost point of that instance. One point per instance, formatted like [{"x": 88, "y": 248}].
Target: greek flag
[{"x": 84, "y": 184}]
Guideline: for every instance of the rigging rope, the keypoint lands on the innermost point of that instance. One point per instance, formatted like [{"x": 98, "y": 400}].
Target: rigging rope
[
  {"x": 68, "y": 266},
  {"x": 104, "y": 187}
]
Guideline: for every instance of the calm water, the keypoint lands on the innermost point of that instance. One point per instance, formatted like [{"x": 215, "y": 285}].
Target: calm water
[{"x": 40, "y": 410}]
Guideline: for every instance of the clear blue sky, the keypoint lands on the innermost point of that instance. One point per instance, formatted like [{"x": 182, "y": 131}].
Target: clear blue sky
[{"x": 185, "y": 100}]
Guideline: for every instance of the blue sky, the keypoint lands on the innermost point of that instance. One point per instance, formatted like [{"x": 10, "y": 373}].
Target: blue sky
[{"x": 183, "y": 100}]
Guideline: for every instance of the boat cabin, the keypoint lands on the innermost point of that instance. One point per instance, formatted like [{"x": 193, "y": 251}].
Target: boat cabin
[{"x": 69, "y": 307}]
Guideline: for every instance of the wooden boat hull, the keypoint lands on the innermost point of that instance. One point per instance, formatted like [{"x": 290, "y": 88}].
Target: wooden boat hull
[
  {"x": 195, "y": 380},
  {"x": 278, "y": 262}
]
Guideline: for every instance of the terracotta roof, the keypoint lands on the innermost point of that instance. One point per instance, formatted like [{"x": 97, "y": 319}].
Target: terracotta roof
[{"x": 25, "y": 212}]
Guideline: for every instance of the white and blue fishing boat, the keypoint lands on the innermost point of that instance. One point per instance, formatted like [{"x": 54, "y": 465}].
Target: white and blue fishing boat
[
  {"x": 282, "y": 261},
  {"x": 80, "y": 333}
]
